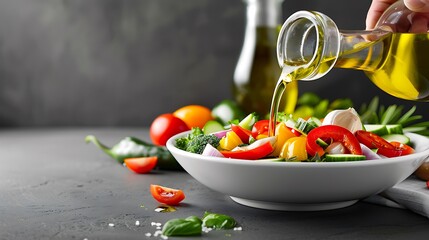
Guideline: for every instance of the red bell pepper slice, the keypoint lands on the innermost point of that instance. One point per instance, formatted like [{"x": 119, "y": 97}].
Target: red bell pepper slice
[
  {"x": 251, "y": 152},
  {"x": 242, "y": 133},
  {"x": 392, "y": 149},
  {"x": 337, "y": 134}
]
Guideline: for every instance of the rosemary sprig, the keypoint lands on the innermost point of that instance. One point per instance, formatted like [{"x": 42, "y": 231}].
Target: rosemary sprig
[{"x": 374, "y": 113}]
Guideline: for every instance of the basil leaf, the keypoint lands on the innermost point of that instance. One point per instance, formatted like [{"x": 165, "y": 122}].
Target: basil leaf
[
  {"x": 190, "y": 226},
  {"x": 220, "y": 221}
]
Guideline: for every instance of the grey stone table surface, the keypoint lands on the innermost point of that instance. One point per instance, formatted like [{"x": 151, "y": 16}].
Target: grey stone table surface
[{"x": 55, "y": 186}]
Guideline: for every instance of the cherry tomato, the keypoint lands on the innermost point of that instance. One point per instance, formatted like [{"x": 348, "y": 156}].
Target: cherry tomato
[
  {"x": 194, "y": 115},
  {"x": 337, "y": 134},
  {"x": 260, "y": 128},
  {"x": 169, "y": 196},
  {"x": 404, "y": 148},
  {"x": 141, "y": 164},
  {"x": 165, "y": 126},
  {"x": 392, "y": 149}
]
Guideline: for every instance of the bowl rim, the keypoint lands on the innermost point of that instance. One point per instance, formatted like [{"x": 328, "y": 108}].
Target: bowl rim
[{"x": 172, "y": 148}]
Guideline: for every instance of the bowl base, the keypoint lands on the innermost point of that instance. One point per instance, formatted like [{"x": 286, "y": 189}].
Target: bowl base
[{"x": 292, "y": 206}]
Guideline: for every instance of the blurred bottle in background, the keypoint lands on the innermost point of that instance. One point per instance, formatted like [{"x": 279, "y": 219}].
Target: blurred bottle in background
[{"x": 257, "y": 70}]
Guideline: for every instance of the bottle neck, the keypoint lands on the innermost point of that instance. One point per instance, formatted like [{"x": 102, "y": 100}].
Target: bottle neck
[
  {"x": 310, "y": 45},
  {"x": 265, "y": 13},
  {"x": 362, "y": 50}
]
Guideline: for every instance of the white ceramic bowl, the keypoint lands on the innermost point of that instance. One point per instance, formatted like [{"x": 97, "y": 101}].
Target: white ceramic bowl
[{"x": 296, "y": 186}]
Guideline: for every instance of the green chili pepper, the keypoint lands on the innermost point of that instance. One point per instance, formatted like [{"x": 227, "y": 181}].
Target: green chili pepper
[
  {"x": 131, "y": 147},
  {"x": 189, "y": 226},
  {"x": 219, "y": 221}
]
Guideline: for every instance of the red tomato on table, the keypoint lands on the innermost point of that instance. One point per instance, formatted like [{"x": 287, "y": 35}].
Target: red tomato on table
[
  {"x": 165, "y": 126},
  {"x": 169, "y": 196},
  {"x": 141, "y": 164}
]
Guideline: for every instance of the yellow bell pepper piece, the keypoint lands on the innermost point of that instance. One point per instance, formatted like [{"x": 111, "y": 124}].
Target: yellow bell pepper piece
[
  {"x": 230, "y": 141},
  {"x": 261, "y": 136},
  {"x": 283, "y": 133},
  {"x": 295, "y": 148}
]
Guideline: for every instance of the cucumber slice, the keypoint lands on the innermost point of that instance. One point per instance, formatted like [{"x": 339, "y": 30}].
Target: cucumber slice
[
  {"x": 322, "y": 143},
  {"x": 248, "y": 121},
  {"x": 304, "y": 126},
  {"x": 315, "y": 120},
  {"x": 343, "y": 157},
  {"x": 394, "y": 129},
  {"x": 212, "y": 126},
  {"x": 378, "y": 129},
  {"x": 397, "y": 138}
]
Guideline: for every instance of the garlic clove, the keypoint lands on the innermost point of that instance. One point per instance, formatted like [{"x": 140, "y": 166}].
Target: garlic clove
[{"x": 347, "y": 118}]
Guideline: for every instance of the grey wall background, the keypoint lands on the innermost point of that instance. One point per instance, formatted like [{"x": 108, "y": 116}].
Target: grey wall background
[{"x": 123, "y": 62}]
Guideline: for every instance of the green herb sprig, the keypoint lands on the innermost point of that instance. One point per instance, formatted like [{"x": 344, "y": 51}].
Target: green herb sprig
[{"x": 374, "y": 113}]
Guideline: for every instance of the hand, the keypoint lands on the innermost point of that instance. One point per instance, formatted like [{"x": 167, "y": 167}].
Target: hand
[
  {"x": 417, "y": 5},
  {"x": 420, "y": 21}
]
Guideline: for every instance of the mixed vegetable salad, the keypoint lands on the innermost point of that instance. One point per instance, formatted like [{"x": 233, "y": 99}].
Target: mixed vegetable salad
[
  {"x": 378, "y": 129},
  {"x": 339, "y": 136}
]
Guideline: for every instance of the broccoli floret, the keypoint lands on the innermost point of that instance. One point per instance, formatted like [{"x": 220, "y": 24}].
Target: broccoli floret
[
  {"x": 182, "y": 143},
  {"x": 198, "y": 143},
  {"x": 195, "y": 131}
]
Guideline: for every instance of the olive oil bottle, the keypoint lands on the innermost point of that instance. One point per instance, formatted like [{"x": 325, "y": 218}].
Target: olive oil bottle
[
  {"x": 257, "y": 69},
  {"x": 395, "y": 55},
  {"x": 403, "y": 71}
]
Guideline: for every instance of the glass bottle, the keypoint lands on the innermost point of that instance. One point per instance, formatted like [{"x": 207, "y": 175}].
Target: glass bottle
[
  {"x": 257, "y": 71},
  {"x": 395, "y": 55}
]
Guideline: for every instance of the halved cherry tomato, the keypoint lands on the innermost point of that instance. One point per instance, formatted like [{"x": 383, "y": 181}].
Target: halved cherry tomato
[
  {"x": 141, "y": 164},
  {"x": 169, "y": 196},
  {"x": 165, "y": 126},
  {"x": 392, "y": 149},
  {"x": 337, "y": 134},
  {"x": 242, "y": 133},
  {"x": 256, "y": 150},
  {"x": 372, "y": 140},
  {"x": 401, "y": 149},
  {"x": 260, "y": 127}
]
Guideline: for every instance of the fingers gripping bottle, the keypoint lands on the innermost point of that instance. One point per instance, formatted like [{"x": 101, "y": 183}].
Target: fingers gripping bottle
[{"x": 394, "y": 55}]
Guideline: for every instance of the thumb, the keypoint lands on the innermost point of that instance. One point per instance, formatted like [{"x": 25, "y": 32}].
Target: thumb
[{"x": 417, "y": 5}]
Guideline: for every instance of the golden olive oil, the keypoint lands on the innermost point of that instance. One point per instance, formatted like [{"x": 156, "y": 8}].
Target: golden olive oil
[{"x": 400, "y": 68}]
